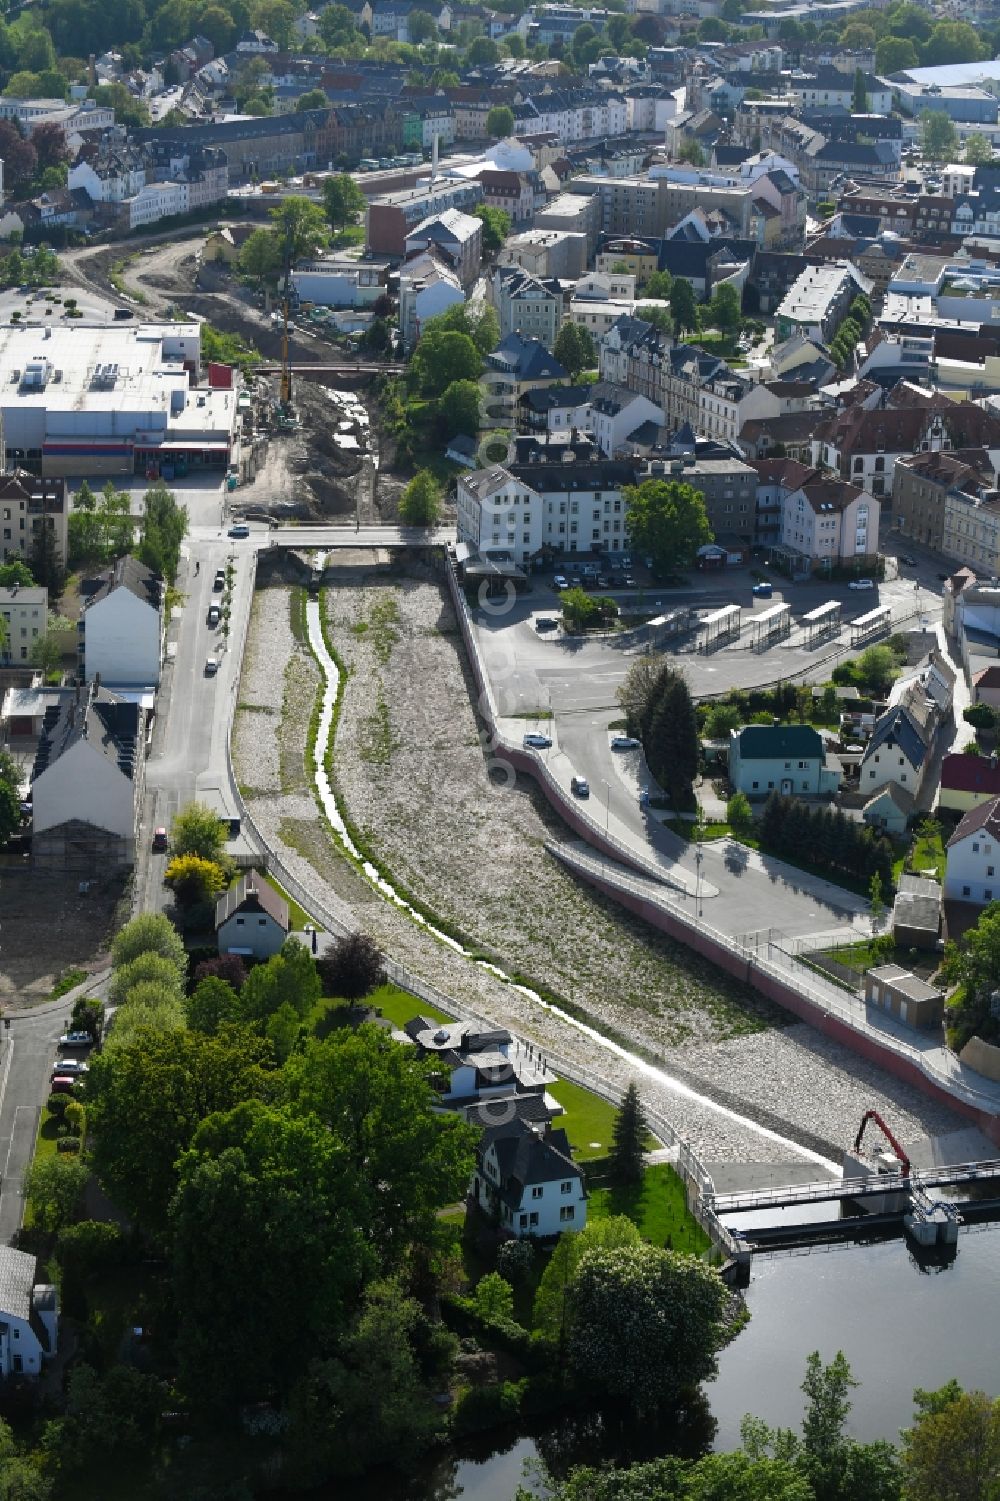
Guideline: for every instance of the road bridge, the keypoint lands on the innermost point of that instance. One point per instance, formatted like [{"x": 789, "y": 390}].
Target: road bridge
[{"x": 780, "y": 1197}]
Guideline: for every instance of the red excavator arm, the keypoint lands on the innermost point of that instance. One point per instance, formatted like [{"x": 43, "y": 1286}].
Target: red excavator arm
[{"x": 873, "y": 1115}]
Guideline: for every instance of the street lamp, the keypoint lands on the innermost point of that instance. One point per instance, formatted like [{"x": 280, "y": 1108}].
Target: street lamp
[
  {"x": 607, "y": 806},
  {"x": 699, "y": 855}
]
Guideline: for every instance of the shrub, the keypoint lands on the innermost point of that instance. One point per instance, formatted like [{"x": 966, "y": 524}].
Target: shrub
[
  {"x": 980, "y": 716},
  {"x": 56, "y": 1104},
  {"x": 738, "y": 811},
  {"x": 151, "y": 932},
  {"x": 487, "y": 1407},
  {"x": 69, "y": 1144},
  {"x": 228, "y": 967},
  {"x": 515, "y": 1260}
]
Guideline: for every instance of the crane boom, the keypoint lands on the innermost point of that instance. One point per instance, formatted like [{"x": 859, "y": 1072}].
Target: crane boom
[{"x": 873, "y": 1115}]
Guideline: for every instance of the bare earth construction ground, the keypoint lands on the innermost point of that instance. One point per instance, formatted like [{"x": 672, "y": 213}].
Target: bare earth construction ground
[{"x": 412, "y": 777}]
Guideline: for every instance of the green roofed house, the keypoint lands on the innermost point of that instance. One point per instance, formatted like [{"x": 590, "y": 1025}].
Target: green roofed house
[{"x": 787, "y": 758}]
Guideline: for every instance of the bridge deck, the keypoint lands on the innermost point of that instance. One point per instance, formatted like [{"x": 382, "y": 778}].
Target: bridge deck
[{"x": 776, "y": 1197}]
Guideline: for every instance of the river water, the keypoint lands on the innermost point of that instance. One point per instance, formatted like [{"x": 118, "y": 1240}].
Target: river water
[{"x": 901, "y": 1324}]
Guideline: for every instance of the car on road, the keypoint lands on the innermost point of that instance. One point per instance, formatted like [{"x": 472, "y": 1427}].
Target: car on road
[
  {"x": 629, "y": 581},
  {"x": 762, "y": 591},
  {"x": 219, "y": 582},
  {"x": 580, "y": 787},
  {"x": 159, "y": 839},
  {"x": 69, "y": 1068},
  {"x": 75, "y": 1040},
  {"x": 624, "y": 742},
  {"x": 576, "y": 582},
  {"x": 602, "y": 581},
  {"x": 214, "y": 615},
  {"x": 61, "y": 1084},
  {"x": 904, "y": 557},
  {"x": 239, "y": 530},
  {"x": 560, "y": 581},
  {"x": 211, "y": 666},
  {"x": 535, "y": 741},
  {"x": 861, "y": 584},
  {"x": 546, "y": 623}
]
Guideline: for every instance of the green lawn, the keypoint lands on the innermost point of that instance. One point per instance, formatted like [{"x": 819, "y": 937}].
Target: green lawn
[
  {"x": 588, "y": 1120},
  {"x": 45, "y": 1141},
  {"x": 657, "y": 1205},
  {"x": 400, "y": 1006},
  {"x": 298, "y": 916}
]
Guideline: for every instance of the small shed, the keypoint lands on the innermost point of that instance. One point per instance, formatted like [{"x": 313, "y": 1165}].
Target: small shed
[
  {"x": 905, "y": 996},
  {"x": 916, "y": 912},
  {"x": 251, "y": 919},
  {"x": 890, "y": 809}
]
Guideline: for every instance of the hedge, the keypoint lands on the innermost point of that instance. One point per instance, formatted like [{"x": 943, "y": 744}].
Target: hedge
[{"x": 462, "y": 1317}]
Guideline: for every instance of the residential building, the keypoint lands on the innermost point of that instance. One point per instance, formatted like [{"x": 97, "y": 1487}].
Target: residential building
[
  {"x": 729, "y": 486},
  {"x": 906, "y": 997},
  {"x": 516, "y": 366},
  {"x": 87, "y": 782},
  {"x": 972, "y": 524},
  {"x": 830, "y": 523},
  {"x": 986, "y": 689},
  {"x": 24, "y": 611},
  {"x": 121, "y": 627},
  {"x": 546, "y": 252},
  {"x": 475, "y": 1065},
  {"x": 528, "y": 1183},
  {"x": 830, "y": 87},
  {"x": 864, "y": 446},
  {"x": 921, "y": 483},
  {"x": 525, "y": 305},
  {"x": 427, "y": 287},
  {"x": 512, "y": 192},
  {"x": 789, "y": 759},
  {"x": 28, "y": 504},
  {"x": 890, "y": 810},
  {"x": 253, "y": 145},
  {"x": 573, "y": 213},
  {"x": 341, "y": 281},
  {"x": 916, "y": 912},
  {"x": 29, "y": 1316},
  {"x": 251, "y": 919},
  {"x": 614, "y": 414},
  {"x": 968, "y": 781},
  {"x": 456, "y": 237},
  {"x": 898, "y": 751},
  {"x": 972, "y": 856},
  {"x": 554, "y": 409},
  {"x": 391, "y": 217},
  {"x": 819, "y": 300}
]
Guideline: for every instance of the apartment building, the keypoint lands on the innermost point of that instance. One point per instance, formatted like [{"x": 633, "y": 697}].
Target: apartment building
[
  {"x": 547, "y": 252},
  {"x": 573, "y": 213},
  {"x": 27, "y": 504},
  {"x": 526, "y": 305},
  {"x": 391, "y": 217},
  {"x": 24, "y": 611},
  {"x": 864, "y": 447},
  {"x": 427, "y": 287},
  {"x": 830, "y": 523},
  {"x": 818, "y": 300}
]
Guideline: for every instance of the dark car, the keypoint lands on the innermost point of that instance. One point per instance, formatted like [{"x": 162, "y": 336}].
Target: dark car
[
  {"x": 546, "y": 623},
  {"x": 214, "y": 615},
  {"x": 219, "y": 582},
  {"x": 580, "y": 786},
  {"x": 159, "y": 839}
]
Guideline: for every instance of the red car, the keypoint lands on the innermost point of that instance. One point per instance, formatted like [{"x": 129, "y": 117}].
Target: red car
[
  {"x": 159, "y": 839},
  {"x": 61, "y": 1084}
]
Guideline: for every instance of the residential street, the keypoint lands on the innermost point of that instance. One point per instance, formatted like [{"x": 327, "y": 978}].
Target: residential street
[{"x": 26, "y": 1053}]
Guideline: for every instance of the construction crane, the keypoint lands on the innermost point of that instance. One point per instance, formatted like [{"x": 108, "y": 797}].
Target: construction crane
[
  {"x": 286, "y": 372},
  {"x": 873, "y": 1115}
]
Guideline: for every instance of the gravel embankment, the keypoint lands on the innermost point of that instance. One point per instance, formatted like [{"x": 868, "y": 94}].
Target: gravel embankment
[{"x": 411, "y": 774}]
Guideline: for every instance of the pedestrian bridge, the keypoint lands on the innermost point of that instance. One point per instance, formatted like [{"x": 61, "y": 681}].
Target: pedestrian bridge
[{"x": 743, "y": 1201}]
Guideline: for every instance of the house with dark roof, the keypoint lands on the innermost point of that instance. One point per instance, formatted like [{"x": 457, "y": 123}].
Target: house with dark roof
[
  {"x": 516, "y": 366},
  {"x": 475, "y": 1065},
  {"x": 899, "y": 750},
  {"x": 972, "y": 857},
  {"x": 790, "y": 759},
  {"x": 29, "y": 1316},
  {"x": 527, "y": 1182},
  {"x": 121, "y": 626},
  {"x": 87, "y": 781},
  {"x": 251, "y": 918},
  {"x": 863, "y": 446}
]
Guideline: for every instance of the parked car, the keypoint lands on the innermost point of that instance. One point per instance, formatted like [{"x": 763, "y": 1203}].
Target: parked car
[
  {"x": 602, "y": 581},
  {"x": 629, "y": 581},
  {"x": 75, "y": 1040},
  {"x": 159, "y": 839},
  {"x": 905, "y": 558},
  {"x": 61, "y": 1084},
  {"x": 580, "y": 786},
  {"x": 214, "y": 615},
  {"x": 534, "y": 741},
  {"x": 762, "y": 591},
  {"x": 560, "y": 581},
  {"x": 576, "y": 582},
  {"x": 861, "y": 584},
  {"x": 66, "y": 1068},
  {"x": 546, "y": 623},
  {"x": 624, "y": 742},
  {"x": 211, "y": 667},
  {"x": 219, "y": 582},
  {"x": 239, "y": 530}
]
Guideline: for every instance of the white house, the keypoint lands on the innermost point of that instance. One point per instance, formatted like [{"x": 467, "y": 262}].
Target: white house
[
  {"x": 427, "y": 287},
  {"x": 251, "y": 918},
  {"x": 973, "y": 857},
  {"x": 789, "y": 759},
  {"x": 87, "y": 782},
  {"x": 24, "y": 611},
  {"x": 528, "y": 1181},
  {"x": 476, "y": 1064},
  {"x": 614, "y": 413},
  {"x": 121, "y": 628},
  {"x": 830, "y": 522},
  {"x": 898, "y": 751},
  {"x": 29, "y": 1316}
]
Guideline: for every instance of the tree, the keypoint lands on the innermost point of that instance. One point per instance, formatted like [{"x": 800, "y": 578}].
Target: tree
[
  {"x": 628, "y": 1139},
  {"x": 164, "y": 527},
  {"x": 46, "y": 650},
  {"x": 311, "y": 99},
  {"x": 10, "y": 796},
  {"x": 262, "y": 1190},
  {"x": 228, "y": 967},
  {"x": 637, "y": 688},
  {"x": 15, "y": 572},
  {"x": 53, "y": 1187},
  {"x": 895, "y": 54},
  {"x": 198, "y": 830},
  {"x": 875, "y": 899},
  {"x": 584, "y": 612},
  {"x": 212, "y": 1002},
  {"x": 667, "y": 519},
  {"x": 951, "y": 42},
  {"x": 500, "y": 122},
  {"x": 938, "y": 136},
  {"x": 301, "y": 227},
  {"x": 148, "y": 933},
  {"x": 722, "y": 720},
  {"x": 149, "y": 968},
  {"x": 442, "y": 357},
  {"x": 659, "y": 284},
  {"x": 859, "y": 99},
  {"x": 671, "y": 740},
  {"x": 44, "y": 560},
  {"x": 478, "y": 320},
  {"x": 147, "y": 1099},
  {"x": 483, "y": 50},
  {"x": 288, "y": 977},
  {"x": 496, "y": 228},
  {"x": 977, "y": 149},
  {"x": 974, "y": 965},
  {"x": 260, "y": 257},
  {"x": 194, "y": 881},
  {"x": 726, "y": 312},
  {"x": 691, "y": 151},
  {"x": 952, "y": 1452},
  {"x": 21, "y": 1478},
  {"x": 459, "y": 408},
  {"x": 683, "y": 305},
  {"x": 420, "y": 504},
  {"x": 644, "y": 1324},
  {"x": 739, "y": 814},
  {"x": 49, "y": 141},
  {"x": 875, "y": 669},
  {"x": 129, "y": 110},
  {"x": 343, "y": 200},
  {"x": 406, "y": 1161},
  {"x": 574, "y": 349},
  {"x": 18, "y": 155},
  {"x": 422, "y": 27},
  {"x": 353, "y": 968},
  {"x": 494, "y": 1299}
]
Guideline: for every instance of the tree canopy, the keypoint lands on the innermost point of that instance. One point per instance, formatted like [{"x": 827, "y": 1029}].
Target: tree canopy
[
  {"x": 668, "y": 520},
  {"x": 420, "y": 504}
]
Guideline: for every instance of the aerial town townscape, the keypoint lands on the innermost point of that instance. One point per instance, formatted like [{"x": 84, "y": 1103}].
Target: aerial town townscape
[{"x": 500, "y": 750}]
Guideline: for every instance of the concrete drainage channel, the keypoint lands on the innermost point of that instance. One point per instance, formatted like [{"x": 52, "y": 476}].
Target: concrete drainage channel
[{"x": 331, "y": 810}]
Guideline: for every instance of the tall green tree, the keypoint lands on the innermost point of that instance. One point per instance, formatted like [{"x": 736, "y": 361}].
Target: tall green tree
[
  {"x": 894, "y": 54},
  {"x": 458, "y": 408},
  {"x": 671, "y": 742},
  {"x": 977, "y": 149},
  {"x": 260, "y": 255},
  {"x": 500, "y": 122},
  {"x": 48, "y": 567},
  {"x": 952, "y": 1451},
  {"x": 10, "y": 796},
  {"x": 445, "y": 356},
  {"x": 938, "y": 136},
  {"x": 301, "y": 227},
  {"x": 288, "y": 978},
  {"x": 53, "y": 1188},
  {"x": 164, "y": 527},
  {"x": 683, "y": 305},
  {"x": 629, "y": 1136},
  {"x": 496, "y": 228},
  {"x": 859, "y": 99},
  {"x": 668, "y": 520},
  {"x": 420, "y": 504},
  {"x": 343, "y": 200},
  {"x": 266, "y": 1215},
  {"x": 150, "y": 932},
  {"x": 574, "y": 349},
  {"x": 198, "y": 830}
]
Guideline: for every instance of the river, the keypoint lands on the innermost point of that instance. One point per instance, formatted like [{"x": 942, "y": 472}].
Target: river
[{"x": 900, "y": 1324}]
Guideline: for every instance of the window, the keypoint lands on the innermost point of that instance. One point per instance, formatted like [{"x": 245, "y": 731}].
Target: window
[
  {"x": 567, "y": 1212},
  {"x": 239, "y": 922},
  {"x": 975, "y": 846},
  {"x": 756, "y": 785},
  {"x": 532, "y": 1219},
  {"x": 537, "y": 1191},
  {"x": 989, "y": 870},
  {"x": 522, "y": 1220},
  {"x": 966, "y": 890},
  {"x": 988, "y": 893}
]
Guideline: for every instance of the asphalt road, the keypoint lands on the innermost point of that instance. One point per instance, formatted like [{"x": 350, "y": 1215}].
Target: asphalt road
[{"x": 26, "y": 1054}]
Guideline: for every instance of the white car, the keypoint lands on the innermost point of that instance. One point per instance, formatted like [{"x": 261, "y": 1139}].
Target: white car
[
  {"x": 66, "y": 1066},
  {"x": 624, "y": 742},
  {"x": 561, "y": 581},
  {"x": 75, "y": 1040},
  {"x": 861, "y": 584},
  {"x": 535, "y": 741}
]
